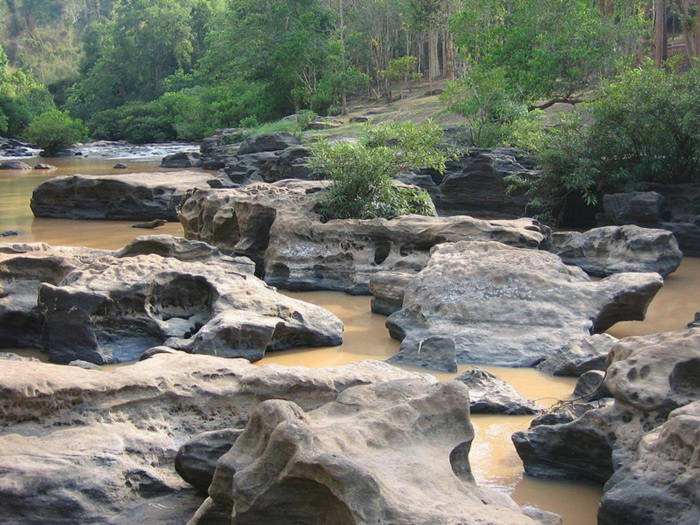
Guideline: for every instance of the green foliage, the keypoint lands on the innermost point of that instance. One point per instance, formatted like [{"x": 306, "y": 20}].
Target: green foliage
[
  {"x": 402, "y": 68},
  {"x": 641, "y": 128},
  {"x": 363, "y": 187},
  {"x": 55, "y": 131},
  {"x": 545, "y": 48},
  {"x": 482, "y": 97}
]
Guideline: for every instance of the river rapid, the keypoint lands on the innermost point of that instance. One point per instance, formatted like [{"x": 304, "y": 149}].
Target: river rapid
[{"x": 493, "y": 457}]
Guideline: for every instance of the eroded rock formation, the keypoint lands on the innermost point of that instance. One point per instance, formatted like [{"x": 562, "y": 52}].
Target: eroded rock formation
[{"x": 511, "y": 306}]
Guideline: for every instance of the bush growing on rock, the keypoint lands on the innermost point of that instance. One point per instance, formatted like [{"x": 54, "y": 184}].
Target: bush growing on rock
[
  {"x": 55, "y": 131},
  {"x": 363, "y": 187},
  {"x": 642, "y": 127}
]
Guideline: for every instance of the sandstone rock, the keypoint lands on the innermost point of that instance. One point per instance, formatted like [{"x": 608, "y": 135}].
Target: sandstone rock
[
  {"x": 196, "y": 460},
  {"x": 267, "y": 142},
  {"x": 182, "y": 159},
  {"x": 435, "y": 353},
  {"x": 387, "y": 289},
  {"x": 133, "y": 196},
  {"x": 155, "y": 350},
  {"x": 394, "y": 452},
  {"x": 120, "y": 166},
  {"x": 79, "y": 446},
  {"x": 510, "y": 306},
  {"x": 269, "y": 166},
  {"x": 106, "y": 307},
  {"x": 695, "y": 322},
  {"x": 578, "y": 357},
  {"x": 661, "y": 485},
  {"x": 491, "y": 395},
  {"x": 11, "y": 356},
  {"x": 274, "y": 224},
  {"x": 613, "y": 249},
  {"x": 84, "y": 364},
  {"x": 42, "y": 166},
  {"x": 150, "y": 225},
  {"x": 14, "y": 165},
  {"x": 638, "y": 207},
  {"x": 215, "y": 150},
  {"x": 9, "y": 233},
  {"x": 566, "y": 411},
  {"x": 649, "y": 377}
]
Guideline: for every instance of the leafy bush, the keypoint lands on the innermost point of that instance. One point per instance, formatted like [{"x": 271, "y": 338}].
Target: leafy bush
[
  {"x": 483, "y": 99},
  {"x": 363, "y": 187},
  {"x": 642, "y": 127},
  {"x": 55, "y": 131}
]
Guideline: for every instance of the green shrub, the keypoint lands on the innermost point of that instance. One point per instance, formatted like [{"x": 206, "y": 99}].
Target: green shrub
[
  {"x": 55, "y": 131},
  {"x": 363, "y": 187},
  {"x": 641, "y": 127}
]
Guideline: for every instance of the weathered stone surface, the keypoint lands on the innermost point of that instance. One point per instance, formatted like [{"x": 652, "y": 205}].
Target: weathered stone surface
[
  {"x": 196, "y": 460},
  {"x": 679, "y": 211},
  {"x": 663, "y": 484},
  {"x": 614, "y": 249},
  {"x": 111, "y": 307},
  {"x": 510, "y": 306},
  {"x": 42, "y": 166},
  {"x": 394, "y": 452},
  {"x": 387, "y": 289},
  {"x": 435, "y": 353},
  {"x": 270, "y": 166},
  {"x": 578, "y": 357},
  {"x": 132, "y": 196},
  {"x": 17, "y": 165},
  {"x": 275, "y": 225},
  {"x": 695, "y": 322},
  {"x": 215, "y": 150},
  {"x": 120, "y": 166},
  {"x": 84, "y": 364},
  {"x": 590, "y": 386},
  {"x": 81, "y": 446},
  {"x": 474, "y": 184},
  {"x": 11, "y": 356},
  {"x": 182, "y": 159},
  {"x": 648, "y": 377},
  {"x": 14, "y": 148},
  {"x": 9, "y": 233},
  {"x": 642, "y": 208},
  {"x": 491, "y": 395},
  {"x": 267, "y": 142}
]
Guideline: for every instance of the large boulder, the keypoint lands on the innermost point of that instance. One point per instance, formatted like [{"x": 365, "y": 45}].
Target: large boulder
[
  {"x": 275, "y": 225},
  {"x": 16, "y": 165},
  {"x": 654, "y": 478},
  {"x": 391, "y": 452},
  {"x": 132, "y": 196},
  {"x": 276, "y": 141},
  {"x": 86, "y": 446},
  {"x": 216, "y": 150},
  {"x": 510, "y": 306},
  {"x": 270, "y": 166},
  {"x": 642, "y": 208},
  {"x": 613, "y": 249},
  {"x": 490, "y": 395},
  {"x": 111, "y": 307}
]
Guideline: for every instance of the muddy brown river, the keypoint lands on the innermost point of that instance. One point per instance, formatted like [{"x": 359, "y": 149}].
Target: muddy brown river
[{"x": 493, "y": 458}]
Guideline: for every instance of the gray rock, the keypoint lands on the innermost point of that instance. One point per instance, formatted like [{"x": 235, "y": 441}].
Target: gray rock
[
  {"x": 511, "y": 306},
  {"x": 542, "y": 516},
  {"x": 276, "y": 141},
  {"x": 11, "y": 356},
  {"x": 274, "y": 224},
  {"x": 150, "y": 225},
  {"x": 83, "y": 446},
  {"x": 182, "y": 159},
  {"x": 435, "y": 353},
  {"x": 107, "y": 307},
  {"x": 155, "y": 350},
  {"x": 270, "y": 166},
  {"x": 613, "y": 249},
  {"x": 42, "y": 166},
  {"x": 566, "y": 411},
  {"x": 695, "y": 323},
  {"x": 10, "y": 233},
  {"x": 215, "y": 150},
  {"x": 196, "y": 460},
  {"x": 120, "y": 166},
  {"x": 653, "y": 478},
  {"x": 84, "y": 364},
  {"x": 491, "y": 395},
  {"x": 590, "y": 386},
  {"x": 387, "y": 289},
  {"x": 133, "y": 196},
  {"x": 642, "y": 208},
  {"x": 363, "y": 458},
  {"x": 578, "y": 357},
  {"x": 14, "y": 165}
]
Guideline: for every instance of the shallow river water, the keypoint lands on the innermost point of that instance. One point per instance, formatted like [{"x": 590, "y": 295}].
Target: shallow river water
[{"x": 494, "y": 460}]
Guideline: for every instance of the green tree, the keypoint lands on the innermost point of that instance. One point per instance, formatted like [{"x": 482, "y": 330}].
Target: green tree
[{"x": 55, "y": 131}]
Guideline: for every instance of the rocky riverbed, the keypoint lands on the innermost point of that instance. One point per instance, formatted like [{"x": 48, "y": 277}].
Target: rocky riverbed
[{"x": 179, "y": 435}]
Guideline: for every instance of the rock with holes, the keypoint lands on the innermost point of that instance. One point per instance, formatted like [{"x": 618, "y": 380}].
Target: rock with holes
[
  {"x": 578, "y": 357},
  {"x": 132, "y": 196},
  {"x": 86, "y": 446},
  {"x": 510, "y": 306},
  {"x": 648, "y": 378},
  {"x": 490, "y": 395},
  {"x": 276, "y": 226},
  {"x": 391, "y": 452},
  {"x": 614, "y": 249},
  {"x": 111, "y": 307}
]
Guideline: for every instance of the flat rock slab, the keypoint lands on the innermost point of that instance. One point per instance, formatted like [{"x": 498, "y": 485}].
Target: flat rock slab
[
  {"x": 511, "y": 306},
  {"x": 614, "y": 249},
  {"x": 131, "y": 196},
  {"x": 110, "y": 307},
  {"x": 579, "y": 357}
]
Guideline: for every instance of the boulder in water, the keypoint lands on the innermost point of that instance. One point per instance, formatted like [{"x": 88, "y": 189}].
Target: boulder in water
[
  {"x": 17, "y": 165},
  {"x": 491, "y": 395},
  {"x": 182, "y": 159}
]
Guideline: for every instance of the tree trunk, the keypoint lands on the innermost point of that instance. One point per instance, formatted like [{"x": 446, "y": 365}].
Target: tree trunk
[
  {"x": 433, "y": 59},
  {"x": 659, "y": 32}
]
